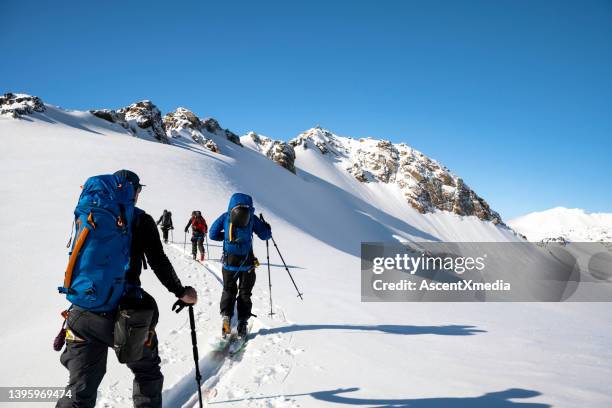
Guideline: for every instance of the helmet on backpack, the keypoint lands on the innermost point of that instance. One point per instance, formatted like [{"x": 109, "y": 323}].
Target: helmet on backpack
[{"x": 239, "y": 225}]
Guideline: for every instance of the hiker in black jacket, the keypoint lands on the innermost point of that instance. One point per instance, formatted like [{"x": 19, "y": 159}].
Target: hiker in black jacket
[
  {"x": 90, "y": 334},
  {"x": 166, "y": 224}
]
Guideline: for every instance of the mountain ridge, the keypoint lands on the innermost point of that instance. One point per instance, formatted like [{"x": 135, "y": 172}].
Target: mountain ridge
[{"x": 424, "y": 183}]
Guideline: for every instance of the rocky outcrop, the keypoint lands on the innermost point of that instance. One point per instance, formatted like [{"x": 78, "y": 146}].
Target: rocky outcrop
[
  {"x": 205, "y": 142},
  {"x": 181, "y": 118},
  {"x": 212, "y": 126},
  {"x": 111, "y": 116},
  {"x": 147, "y": 117},
  {"x": 17, "y": 105},
  {"x": 425, "y": 184},
  {"x": 276, "y": 150},
  {"x": 183, "y": 122},
  {"x": 318, "y": 138},
  {"x": 141, "y": 118},
  {"x": 201, "y": 131}
]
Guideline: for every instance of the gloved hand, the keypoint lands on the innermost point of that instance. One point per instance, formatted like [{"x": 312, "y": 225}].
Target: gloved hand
[
  {"x": 265, "y": 222},
  {"x": 186, "y": 229},
  {"x": 190, "y": 296},
  {"x": 171, "y": 228}
]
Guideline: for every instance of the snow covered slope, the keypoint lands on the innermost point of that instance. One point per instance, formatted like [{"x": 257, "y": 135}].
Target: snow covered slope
[
  {"x": 570, "y": 224},
  {"x": 329, "y": 349}
]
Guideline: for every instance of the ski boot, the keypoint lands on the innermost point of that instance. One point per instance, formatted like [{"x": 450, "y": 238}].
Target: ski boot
[
  {"x": 194, "y": 256},
  {"x": 201, "y": 257},
  {"x": 242, "y": 329},
  {"x": 226, "y": 328}
]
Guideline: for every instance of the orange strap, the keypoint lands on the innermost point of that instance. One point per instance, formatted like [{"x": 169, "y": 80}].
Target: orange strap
[{"x": 73, "y": 257}]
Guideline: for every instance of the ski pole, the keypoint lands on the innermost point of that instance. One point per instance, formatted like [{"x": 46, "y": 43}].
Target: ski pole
[
  {"x": 185, "y": 242},
  {"x": 207, "y": 250},
  {"x": 269, "y": 278},
  {"x": 172, "y": 235},
  {"x": 284, "y": 263},
  {"x": 179, "y": 305}
]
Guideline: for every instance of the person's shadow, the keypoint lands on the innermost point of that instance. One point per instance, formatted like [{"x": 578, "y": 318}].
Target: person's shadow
[
  {"x": 448, "y": 330},
  {"x": 500, "y": 399}
]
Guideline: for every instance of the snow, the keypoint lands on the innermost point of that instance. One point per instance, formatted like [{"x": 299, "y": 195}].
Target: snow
[
  {"x": 571, "y": 224},
  {"x": 326, "y": 350}
]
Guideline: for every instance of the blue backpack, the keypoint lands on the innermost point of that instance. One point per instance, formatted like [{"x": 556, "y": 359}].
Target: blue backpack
[
  {"x": 100, "y": 254},
  {"x": 238, "y": 227}
]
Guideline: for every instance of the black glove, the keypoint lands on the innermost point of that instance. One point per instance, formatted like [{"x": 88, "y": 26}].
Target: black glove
[
  {"x": 186, "y": 229},
  {"x": 188, "y": 298}
]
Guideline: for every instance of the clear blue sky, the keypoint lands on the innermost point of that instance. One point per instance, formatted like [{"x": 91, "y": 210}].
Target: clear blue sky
[{"x": 514, "y": 96}]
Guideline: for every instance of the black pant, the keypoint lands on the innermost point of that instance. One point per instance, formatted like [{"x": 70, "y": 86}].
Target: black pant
[
  {"x": 197, "y": 242},
  {"x": 86, "y": 361},
  {"x": 165, "y": 233},
  {"x": 240, "y": 283}
]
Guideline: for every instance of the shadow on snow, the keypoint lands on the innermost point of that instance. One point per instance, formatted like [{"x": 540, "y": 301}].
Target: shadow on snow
[
  {"x": 449, "y": 330},
  {"x": 499, "y": 399}
]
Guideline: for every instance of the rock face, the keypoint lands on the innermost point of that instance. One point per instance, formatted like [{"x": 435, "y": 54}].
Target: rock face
[
  {"x": 212, "y": 126},
  {"x": 183, "y": 122},
  {"x": 141, "y": 118},
  {"x": 425, "y": 184},
  {"x": 17, "y": 105},
  {"x": 276, "y": 150}
]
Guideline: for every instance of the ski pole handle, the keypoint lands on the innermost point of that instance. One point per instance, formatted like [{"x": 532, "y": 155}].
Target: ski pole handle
[{"x": 178, "y": 306}]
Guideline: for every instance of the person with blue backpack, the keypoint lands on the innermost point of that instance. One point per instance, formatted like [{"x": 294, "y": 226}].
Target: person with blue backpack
[
  {"x": 235, "y": 228},
  {"x": 114, "y": 241}
]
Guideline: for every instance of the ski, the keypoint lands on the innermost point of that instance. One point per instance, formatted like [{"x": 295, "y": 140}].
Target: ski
[
  {"x": 219, "y": 343},
  {"x": 238, "y": 344}
]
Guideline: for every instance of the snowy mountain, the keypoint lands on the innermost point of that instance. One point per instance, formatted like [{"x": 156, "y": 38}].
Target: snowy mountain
[
  {"x": 565, "y": 224},
  {"x": 326, "y": 350}
]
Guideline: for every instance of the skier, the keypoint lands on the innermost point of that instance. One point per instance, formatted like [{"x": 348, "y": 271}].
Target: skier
[
  {"x": 199, "y": 229},
  {"x": 235, "y": 228},
  {"x": 166, "y": 224},
  {"x": 89, "y": 333}
]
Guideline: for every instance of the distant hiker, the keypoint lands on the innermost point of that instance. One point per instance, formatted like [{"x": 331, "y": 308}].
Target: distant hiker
[
  {"x": 235, "y": 228},
  {"x": 199, "y": 229},
  {"x": 166, "y": 224},
  {"x": 109, "y": 308}
]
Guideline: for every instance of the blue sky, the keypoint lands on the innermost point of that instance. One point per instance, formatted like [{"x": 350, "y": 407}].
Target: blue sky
[{"x": 514, "y": 96}]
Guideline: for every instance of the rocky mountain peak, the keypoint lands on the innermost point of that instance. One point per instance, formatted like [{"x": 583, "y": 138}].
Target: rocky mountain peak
[
  {"x": 17, "y": 105},
  {"x": 181, "y": 118},
  {"x": 426, "y": 185},
  {"x": 141, "y": 118},
  {"x": 320, "y": 139}
]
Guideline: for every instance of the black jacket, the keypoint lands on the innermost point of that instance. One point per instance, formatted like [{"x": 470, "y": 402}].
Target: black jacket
[
  {"x": 166, "y": 220},
  {"x": 147, "y": 248}
]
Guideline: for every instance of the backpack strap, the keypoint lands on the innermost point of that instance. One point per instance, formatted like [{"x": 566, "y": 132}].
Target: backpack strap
[{"x": 78, "y": 244}]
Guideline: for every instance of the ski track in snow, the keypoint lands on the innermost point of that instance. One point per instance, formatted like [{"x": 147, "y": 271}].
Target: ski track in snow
[{"x": 215, "y": 366}]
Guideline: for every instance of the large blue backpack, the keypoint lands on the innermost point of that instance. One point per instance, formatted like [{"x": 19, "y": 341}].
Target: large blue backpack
[
  {"x": 238, "y": 227},
  {"x": 100, "y": 254}
]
